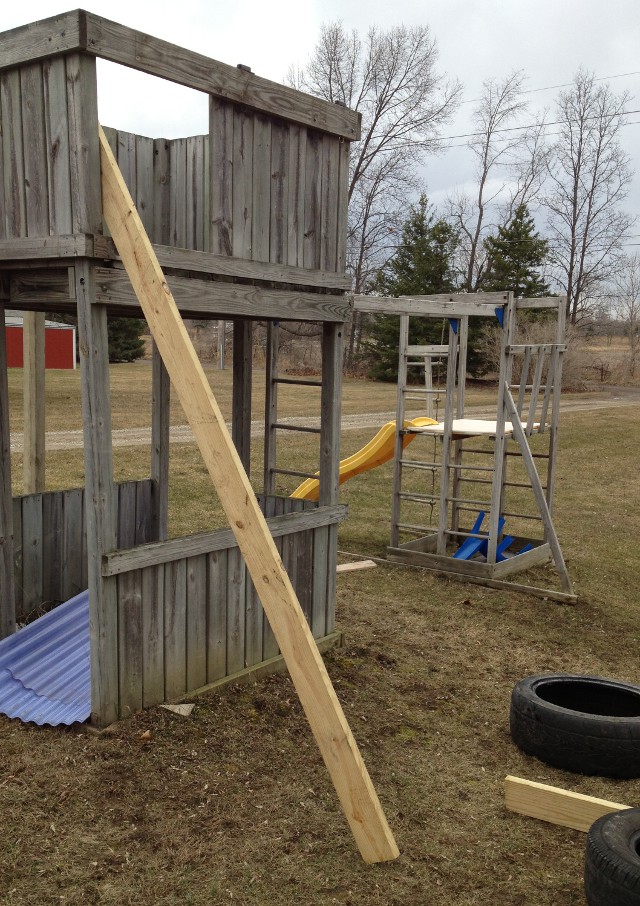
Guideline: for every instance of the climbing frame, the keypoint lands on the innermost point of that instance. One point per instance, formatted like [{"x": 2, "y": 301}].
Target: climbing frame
[{"x": 464, "y": 486}]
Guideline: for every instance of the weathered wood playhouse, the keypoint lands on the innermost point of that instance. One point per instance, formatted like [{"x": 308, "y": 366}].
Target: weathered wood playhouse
[{"x": 248, "y": 222}]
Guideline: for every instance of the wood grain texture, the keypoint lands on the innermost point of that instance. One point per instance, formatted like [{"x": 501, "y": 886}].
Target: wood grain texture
[
  {"x": 15, "y": 211},
  {"x": 33, "y": 457},
  {"x": 7, "y": 595},
  {"x": 99, "y": 500},
  {"x": 555, "y": 805},
  {"x": 120, "y": 561},
  {"x": 324, "y": 712},
  {"x": 195, "y": 297}
]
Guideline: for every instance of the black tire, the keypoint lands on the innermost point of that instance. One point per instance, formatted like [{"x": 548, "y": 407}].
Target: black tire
[
  {"x": 612, "y": 862},
  {"x": 585, "y": 724}
]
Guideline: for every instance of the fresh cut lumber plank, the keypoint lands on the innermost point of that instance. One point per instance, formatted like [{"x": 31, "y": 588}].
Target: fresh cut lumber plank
[
  {"x": 306, "y": 667},
  {"x": 555, "y": 805}
]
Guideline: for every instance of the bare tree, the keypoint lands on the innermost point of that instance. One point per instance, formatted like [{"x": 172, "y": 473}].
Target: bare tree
[
  {"x": 625, "y": 302},
  {"x": 509, "y": 170},
  {"x": 589, "y": 179},
  {"x": 390, "y": 77}
]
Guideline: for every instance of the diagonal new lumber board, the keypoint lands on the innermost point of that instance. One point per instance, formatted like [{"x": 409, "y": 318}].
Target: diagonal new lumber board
[
  {"x": 555, "y": 805},
  {"x": 306, "y": 667}
]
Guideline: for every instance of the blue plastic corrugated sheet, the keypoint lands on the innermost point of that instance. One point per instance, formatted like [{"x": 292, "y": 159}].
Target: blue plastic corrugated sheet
[{"x": 44, "y": 667}]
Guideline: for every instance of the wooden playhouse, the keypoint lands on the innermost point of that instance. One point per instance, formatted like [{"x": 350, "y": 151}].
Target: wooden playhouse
[{"x": 249, "y": 223}]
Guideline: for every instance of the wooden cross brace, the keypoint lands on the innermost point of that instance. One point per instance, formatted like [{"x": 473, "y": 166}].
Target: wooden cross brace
[{"x": 306, "y": 667}]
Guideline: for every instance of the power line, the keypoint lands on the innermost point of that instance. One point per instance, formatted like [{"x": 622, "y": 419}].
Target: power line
[
  {"x": 619, "y": 75},
  {"x": 531, "y": 125}
]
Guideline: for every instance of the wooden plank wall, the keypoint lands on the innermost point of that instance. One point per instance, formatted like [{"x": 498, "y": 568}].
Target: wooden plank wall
[
  {"x": 167, "y": 179},
  {"x": 50, "y": 549},
  {"x": 202, "y": 620},
  {"x": 272, "y": 191},
  {"x": 278, "y": 190},
  {"x": 49, "y": 149}
]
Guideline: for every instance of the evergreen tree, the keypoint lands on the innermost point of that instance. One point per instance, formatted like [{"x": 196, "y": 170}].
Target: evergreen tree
[
  {"x": 125, "y": 344},
  {"x": 515, "y": 256},
  {"x": 422, "y": 265}
]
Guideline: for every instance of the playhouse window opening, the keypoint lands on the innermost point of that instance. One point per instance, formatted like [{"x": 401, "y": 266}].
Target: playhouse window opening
[{"x": 143, "y": 104}]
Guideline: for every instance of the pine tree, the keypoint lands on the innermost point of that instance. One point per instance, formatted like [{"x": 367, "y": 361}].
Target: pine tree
[
  {"x": 125, "y": 344},
  {"x": 423, "y": 264},
  {"x": 515, "y": 257}
]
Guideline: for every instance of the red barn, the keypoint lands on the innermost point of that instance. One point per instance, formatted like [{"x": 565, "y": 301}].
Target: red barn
[{"x": 59, "y": 344}]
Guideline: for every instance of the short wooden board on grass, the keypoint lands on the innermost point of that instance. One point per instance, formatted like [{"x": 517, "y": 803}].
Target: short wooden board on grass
[
  {"x": 555, "y": 805},
  {"x": 353, "y": 567}
]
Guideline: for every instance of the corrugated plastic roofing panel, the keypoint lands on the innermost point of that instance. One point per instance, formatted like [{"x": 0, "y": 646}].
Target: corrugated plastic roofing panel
[{"x": 44, "y": 667}]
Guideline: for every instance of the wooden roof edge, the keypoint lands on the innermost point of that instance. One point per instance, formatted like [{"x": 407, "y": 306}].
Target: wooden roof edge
[{"x": 80, "y": 30}]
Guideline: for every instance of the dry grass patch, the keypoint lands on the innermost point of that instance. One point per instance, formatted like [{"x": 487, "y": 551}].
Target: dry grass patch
[{"x": 233, "y": 805}]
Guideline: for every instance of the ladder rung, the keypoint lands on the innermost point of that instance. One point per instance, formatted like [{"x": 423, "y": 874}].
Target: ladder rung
[
  {"x": 522, "y": 516},
  {"x": 301, "y": 382},
  {"x": 475, "y": 481},
  {"x": 304, "y": 428},
  {"x": 482, "y": 504},
  {"x": 294, "y": 472},
  {"x": 455, "y": 465},
  {"x": 423, "y": 391},
  {"x": 535, "y": 455},
  {"x": 417, "y": 464},
  {"x": 520, "y": 484},
  {"x": 418, "y": 498}
]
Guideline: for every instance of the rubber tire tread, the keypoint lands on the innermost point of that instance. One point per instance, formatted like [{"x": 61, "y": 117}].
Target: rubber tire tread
[
  {"x": 574, "y": 740},
  {"x": 612, "y": 863}
]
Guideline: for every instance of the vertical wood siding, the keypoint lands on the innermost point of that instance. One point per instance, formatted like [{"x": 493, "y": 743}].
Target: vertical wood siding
[
  {"x": 50, "y": 542},
  {"x": 202, "y": 619}
]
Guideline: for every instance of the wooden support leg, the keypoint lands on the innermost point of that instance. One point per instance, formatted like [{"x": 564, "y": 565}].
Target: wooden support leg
[
  {"x": 538, "y": 490},
  {"x": 99, "y": 497},
  {"x": 242, "y": 374},
  {"x": 7, "y": 588},
  {"x": 306, "y": 667},
  {"x": 34, "y": 433},
  {"x": 160, "y": 421}
]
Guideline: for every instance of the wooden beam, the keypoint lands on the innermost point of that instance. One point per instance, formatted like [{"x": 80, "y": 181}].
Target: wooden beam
[
  {"x": 555, "y": 805},
  {"x": 114, "y": 563},
  {"x": 84, "y": 31},
  {"x": 196, "y": 297},
  {"x": 441, "y": 305},
  {"x": 170, "y": 256},
  {"x": 7, "y": 586},
  {"x": 33, "y": 403},
  {"x": 324, "y": 712}
]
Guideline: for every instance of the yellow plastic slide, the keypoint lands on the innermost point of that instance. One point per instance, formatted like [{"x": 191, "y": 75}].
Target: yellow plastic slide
[{"x": 378, "y": 451}]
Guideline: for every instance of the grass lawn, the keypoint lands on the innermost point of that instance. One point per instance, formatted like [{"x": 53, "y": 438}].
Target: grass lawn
[{"x": 234, "y": 805}]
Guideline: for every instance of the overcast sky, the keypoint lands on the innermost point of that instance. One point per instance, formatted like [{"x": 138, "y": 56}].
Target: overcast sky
[{"x": 548, "y": 39}]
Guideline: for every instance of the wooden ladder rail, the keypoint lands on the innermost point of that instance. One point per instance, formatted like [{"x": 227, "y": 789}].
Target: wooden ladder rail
[{"x": 335, "y": 740}]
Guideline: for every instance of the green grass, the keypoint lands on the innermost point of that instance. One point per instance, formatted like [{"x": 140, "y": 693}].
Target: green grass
[{"x": 234, "y": 804}]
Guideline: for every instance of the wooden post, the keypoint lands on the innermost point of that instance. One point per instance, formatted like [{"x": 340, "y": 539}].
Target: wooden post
[
  {"x": 241, "y": 403},
  {"x": 160, "y": 426},
  {"x": 403, "y": 341},
  {"x": 447, "y": 441},
  {"x": 271, "y": 408},
  {"x": 34, "y": 408},
  {"x": 306, "y": 667},
  {"x": 221, "y": 337},
  {"x": 99, "y": 496},
  {"x": 331, "y": 394},
  {"x": 7, "y": 588},
  {"x": 499, "y": 461}
]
